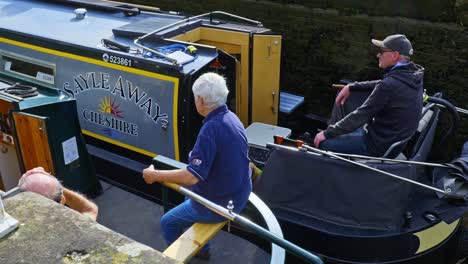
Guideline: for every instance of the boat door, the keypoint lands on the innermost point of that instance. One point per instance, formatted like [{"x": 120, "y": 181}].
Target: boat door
[
  {"x": 258, "y": 69},
  {"x": 228, "y": 66},
  {"x": 264, "y": 97},
  {"x": 33, "y": 141}
]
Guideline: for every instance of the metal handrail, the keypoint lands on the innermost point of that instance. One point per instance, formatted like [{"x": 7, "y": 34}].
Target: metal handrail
[
  {"x": 461, "y": 110},
  {"x": 246, "y": 223},
  {"x": 428, "y": 164},
  {"x": 134, "y": 10},
  {"x": 174, "y": 61},
  {"x": 278, "y": 254}
]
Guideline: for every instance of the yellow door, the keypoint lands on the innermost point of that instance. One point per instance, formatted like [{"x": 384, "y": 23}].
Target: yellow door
[
  {"x": 265, "y": 78},
  {"x": 236, "y": 44},
  {"x": 33, "y": 141}
]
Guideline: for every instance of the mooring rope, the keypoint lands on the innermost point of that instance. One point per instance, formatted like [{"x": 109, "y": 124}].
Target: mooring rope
[{"x": 21, "y": 90}]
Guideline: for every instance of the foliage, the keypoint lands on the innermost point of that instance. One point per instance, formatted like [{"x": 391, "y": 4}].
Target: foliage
[{"x": 328, "y": 40}]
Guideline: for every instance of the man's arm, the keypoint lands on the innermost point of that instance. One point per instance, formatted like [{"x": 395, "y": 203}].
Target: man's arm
[
  {"x": 374, "y": 103},
  {"x": 179, "y": 176},
  {"x": 366, "y": 86},
  {"x": 79, "y": 203},
  {"x": 346, "y": 90}
]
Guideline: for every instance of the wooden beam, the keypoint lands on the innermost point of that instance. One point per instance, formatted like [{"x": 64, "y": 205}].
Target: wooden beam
[{"x": 190, "y": 242}]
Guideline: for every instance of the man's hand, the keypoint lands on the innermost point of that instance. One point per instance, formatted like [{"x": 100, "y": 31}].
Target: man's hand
[
  {"x": 342, "y": 96},
  {"x": 149, "y": 174},
  {"x": 319, "y": 138}
]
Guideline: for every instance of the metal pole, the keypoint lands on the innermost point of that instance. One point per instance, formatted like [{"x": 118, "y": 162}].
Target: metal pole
[
  {"x": 258, "y": 230},
  {"x": 437, "y": 165},
  {"x": 208, "y": 204},
  {"x": 301, "y": 253},
  {"x": 258, "y": 23},
  {"x": 458, "y": 109},
  {"x": 376, "y": 170},
  {"x": 137, "y": 40},
  {"x": 461, "y": 110}
]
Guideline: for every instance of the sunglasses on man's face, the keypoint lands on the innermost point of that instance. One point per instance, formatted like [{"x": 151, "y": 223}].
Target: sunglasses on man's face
[{"x": 382, "y": 51}]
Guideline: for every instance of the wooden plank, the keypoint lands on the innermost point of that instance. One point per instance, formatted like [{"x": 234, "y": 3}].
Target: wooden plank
[
  {"x": 33, "y": 141},
  {"x": 190, "y": 242}
]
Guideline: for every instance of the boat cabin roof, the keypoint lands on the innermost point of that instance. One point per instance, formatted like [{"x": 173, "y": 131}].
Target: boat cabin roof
[{"x": 57, "y": 22}]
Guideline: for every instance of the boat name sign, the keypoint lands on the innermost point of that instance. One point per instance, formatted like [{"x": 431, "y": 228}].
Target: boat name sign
[
  {"x": 122, "y": 88},
  {"x": 117, "y": 105}
]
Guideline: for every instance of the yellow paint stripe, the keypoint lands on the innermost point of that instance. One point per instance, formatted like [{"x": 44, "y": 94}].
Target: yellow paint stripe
[
  {"x": 433, "y": 236},
  {"x": 120, "y": 144},
  {"x": 89, "y": 60},
  {"x": 174, "y": 119},
  {"x": 120, "y": 68}
]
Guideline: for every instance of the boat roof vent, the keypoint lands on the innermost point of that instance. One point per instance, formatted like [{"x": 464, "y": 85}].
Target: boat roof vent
[{"x": 80, "y": 13}]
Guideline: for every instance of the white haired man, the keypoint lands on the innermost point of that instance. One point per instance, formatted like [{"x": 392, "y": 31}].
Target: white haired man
[
  {"x": 218, "y": 166},
  {"x": 39, "y": 181},
  {"x": 392, "y": 110}
]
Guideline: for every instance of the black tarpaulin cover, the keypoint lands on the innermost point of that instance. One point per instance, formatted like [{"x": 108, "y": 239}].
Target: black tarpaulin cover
[
  {"x": 455, "y": 177},
  {"x": 312, "y": 186}
]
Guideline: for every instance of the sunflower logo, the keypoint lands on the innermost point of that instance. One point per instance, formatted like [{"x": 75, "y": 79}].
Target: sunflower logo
[{"x": 108, "y": 106}]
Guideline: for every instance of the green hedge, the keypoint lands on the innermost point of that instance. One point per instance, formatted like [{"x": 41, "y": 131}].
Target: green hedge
[
  {"x": 431, "y": 10},
  {"x": 326, "y": 44}
]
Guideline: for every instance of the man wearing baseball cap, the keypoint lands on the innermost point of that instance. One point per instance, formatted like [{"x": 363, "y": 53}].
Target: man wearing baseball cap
[{"x": 391, "y": 111}]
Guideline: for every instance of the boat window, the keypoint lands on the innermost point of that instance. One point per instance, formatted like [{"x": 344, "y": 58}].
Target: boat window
[{"x": 31, "y": 68}]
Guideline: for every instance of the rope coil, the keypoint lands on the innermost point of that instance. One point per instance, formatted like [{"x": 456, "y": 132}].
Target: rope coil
[{"x": 21, "y": 90}]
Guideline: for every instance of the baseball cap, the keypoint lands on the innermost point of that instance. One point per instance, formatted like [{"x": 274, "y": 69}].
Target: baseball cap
[{"x": 397, "y": 43}]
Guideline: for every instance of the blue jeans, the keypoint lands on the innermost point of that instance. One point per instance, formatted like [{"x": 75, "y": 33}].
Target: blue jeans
[
  {"x": 180, "y": 218},
  {"x": 352, "y": 143}
]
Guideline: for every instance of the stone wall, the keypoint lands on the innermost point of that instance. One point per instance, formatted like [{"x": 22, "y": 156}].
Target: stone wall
[
  {"x": 328, "y": 40},
  {"x": 50, "y": 233}
]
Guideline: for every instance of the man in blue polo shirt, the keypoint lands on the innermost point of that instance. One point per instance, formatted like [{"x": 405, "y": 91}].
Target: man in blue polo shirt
[{"x": 218, "y": 166}]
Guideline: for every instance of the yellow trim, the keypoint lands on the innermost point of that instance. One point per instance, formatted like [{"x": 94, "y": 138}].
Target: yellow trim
[
  {"x": 226, "y": 47},
  {"x": 433, "y": 236},
  {"x": 242, "y": 40},
  {"x": 232, "y": 42},
  {"x": 174, "y": 119},
  {"x": 120, "y": 68},
  {"x": 89, "y": 60},
  {"x": 120, "y": 144},
  {"x": 189, "y": 36}
]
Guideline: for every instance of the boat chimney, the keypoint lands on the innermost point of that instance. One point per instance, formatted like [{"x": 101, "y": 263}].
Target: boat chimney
[{"x": 80, "y": 13}]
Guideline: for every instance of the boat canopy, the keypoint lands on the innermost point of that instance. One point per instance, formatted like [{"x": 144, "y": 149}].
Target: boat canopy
[{"x": 303, "y": 187}]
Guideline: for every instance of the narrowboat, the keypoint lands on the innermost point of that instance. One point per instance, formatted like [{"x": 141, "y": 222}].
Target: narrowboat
[{"x": 130, "y": 69}]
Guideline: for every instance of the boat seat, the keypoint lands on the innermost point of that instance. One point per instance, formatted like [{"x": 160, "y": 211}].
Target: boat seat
[
  {"x": 192, "y": 240},
  {"x": 426, "y": 116},
  {"x": 425, "y": 123},
  {"x": 399, "y": 144}
]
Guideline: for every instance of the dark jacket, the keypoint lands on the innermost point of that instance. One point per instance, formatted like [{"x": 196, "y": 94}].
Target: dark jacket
[{"x": 392, "y": 111}]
